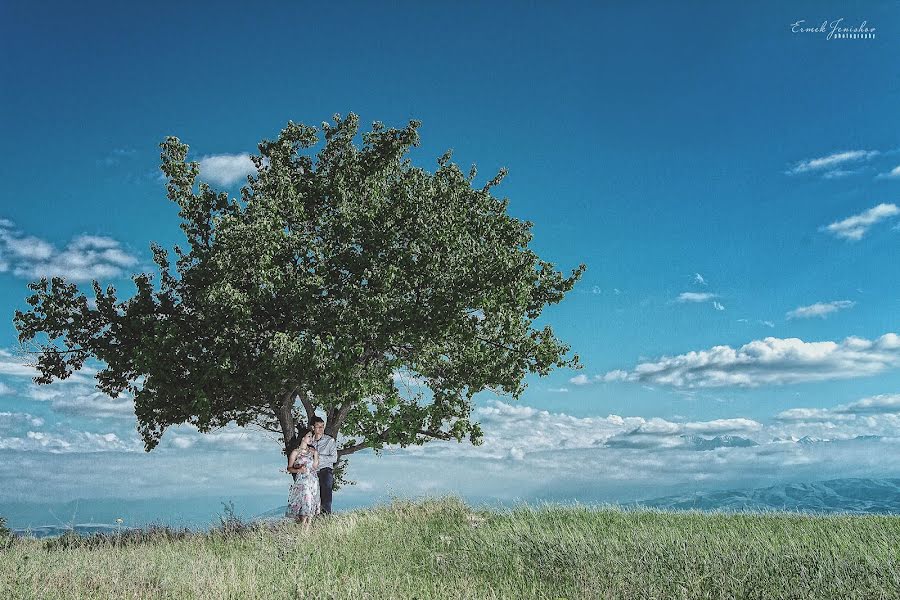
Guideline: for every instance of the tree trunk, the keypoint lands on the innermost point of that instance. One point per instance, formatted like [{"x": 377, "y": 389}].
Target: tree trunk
[
  {"x": 336, "y": 418},
  {"x": 286, "y": 417},
  {"x": 285, "y": 412},
  {"x": 308, "y": 406}
]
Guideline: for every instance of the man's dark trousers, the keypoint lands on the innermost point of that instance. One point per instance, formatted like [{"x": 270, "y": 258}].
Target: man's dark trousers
[{"x": 326, "y": 482}]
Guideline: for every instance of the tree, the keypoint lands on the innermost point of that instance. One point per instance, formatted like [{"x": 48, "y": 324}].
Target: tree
[{"x": 332, "y": 276}]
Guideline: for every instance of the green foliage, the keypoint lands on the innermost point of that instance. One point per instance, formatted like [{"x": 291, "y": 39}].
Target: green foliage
[
  {"x": 151, "y": 535},
  {"x": 68, "y": 541},
  {"x": 332, "y": 272},
  {"x": 445, "y": 549},
  {"x": 339, "y": 471},
  {"x": 6, "y": 535},
  {"x": 230, "y": 524}
]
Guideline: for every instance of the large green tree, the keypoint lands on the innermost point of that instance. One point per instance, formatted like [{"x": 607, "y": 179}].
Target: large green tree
[{"x": 340, "y": 266}]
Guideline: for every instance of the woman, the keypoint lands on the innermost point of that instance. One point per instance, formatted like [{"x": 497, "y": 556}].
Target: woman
[{"x": 303, "y": 501}]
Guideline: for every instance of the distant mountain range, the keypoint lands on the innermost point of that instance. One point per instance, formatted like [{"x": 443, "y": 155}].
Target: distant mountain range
[
  {"x": 688, "y": 442},
  {"x": 858, "y": 496},
  {"x": 698, "y": 442}
]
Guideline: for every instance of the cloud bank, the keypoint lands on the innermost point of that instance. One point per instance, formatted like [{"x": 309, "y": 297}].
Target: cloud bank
[
  {"x": 770, "y": 361},
  {"x": 592, "y": 458}
]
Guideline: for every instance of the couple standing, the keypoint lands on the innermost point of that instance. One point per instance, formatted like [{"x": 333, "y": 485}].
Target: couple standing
[{"x": 312, "y": 464}]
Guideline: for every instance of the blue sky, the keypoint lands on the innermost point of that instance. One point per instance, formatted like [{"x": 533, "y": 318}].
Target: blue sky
[{"x": 732, "y": 186}]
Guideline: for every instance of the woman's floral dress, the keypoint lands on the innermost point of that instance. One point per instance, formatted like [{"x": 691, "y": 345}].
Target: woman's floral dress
[{"x": 304, "y": 499}]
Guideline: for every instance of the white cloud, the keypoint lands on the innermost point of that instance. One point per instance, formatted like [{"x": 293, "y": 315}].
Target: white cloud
[
  {"x": 759, "y": 322},
  {"x": 892, "y": 174},
  {"x": 838, "y": 173},
  {"x": 830, "y": 162},
  {"x": 582, "y": 379},
  {"x": 521, "y": 432},
  {"x": 561, "y": 390},
  {"x": 594, "y": 459},
  {"x": 231, "y": 437},
  {"x": 877, "y": 416},
  {"x": 116, "y": 156},
  {"x": 85, "y": 401},
  {"x": 772, "y": 361},
  {"x": 695, "y": 296},
  {"x": 69, "y": 441},
  {"x": 698, "y": 279},
  {"x": 615, "y": 375},
  {"x": 805, "y": 414},
  {"x": 657, "y": 426},
  {"x": 226, "y": 169},
  {"x": 884, "y": 403},
  {"x": 718, "y": 306},
  {"x": 85, "y": 242},
  {"x": 631, "y": 455},
  {"x": 12, "y": 421},
  {"x": 873, "y": 405},
  {"x": 124, "y": 474},
  {"x": 16, "y": 366},
  {"x": 856, "y": 226},
  {"x": 84, "y": 258},
  {"x": 407, "y": 380},
  {"x": 716, "y": 426},
  {"x": 819, "y": 309},
  {"x": 28, "y": 248}
]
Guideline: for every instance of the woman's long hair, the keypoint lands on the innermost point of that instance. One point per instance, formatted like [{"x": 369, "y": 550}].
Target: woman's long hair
[
  {"x": 295, "y": 441},
  {"x": 301, "y": 433}
]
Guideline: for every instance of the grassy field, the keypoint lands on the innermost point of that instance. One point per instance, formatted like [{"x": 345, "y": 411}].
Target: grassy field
[{"x": 444, "y": 549}]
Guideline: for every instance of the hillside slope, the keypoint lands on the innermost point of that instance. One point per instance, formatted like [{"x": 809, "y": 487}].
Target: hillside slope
[{"x": 444, "y": 549}]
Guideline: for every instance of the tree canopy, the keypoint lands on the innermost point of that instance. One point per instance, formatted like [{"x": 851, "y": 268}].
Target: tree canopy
[{"x": 341, "y": 270}]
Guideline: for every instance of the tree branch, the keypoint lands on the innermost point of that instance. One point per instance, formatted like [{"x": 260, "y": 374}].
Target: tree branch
[
  {"x": 285, "y": 415},
  {"x": 503, "y": 347},
  {"x": 308, "y": 406},
  {"x": 336, "y": 419},
  {"x": 54, "y": 350},
  {"x": 354, "y": 448},
  {"x": 436, "y": 434}
]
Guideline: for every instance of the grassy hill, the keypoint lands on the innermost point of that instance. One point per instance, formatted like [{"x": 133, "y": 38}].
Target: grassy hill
[{"x": 444, "y": 549}]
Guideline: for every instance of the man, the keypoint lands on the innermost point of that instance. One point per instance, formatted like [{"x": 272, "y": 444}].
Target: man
[{"x": 327, "y": 449}]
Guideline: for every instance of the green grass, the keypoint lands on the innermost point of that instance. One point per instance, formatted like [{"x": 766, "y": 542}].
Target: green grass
[{"x": 444, "y": 549}]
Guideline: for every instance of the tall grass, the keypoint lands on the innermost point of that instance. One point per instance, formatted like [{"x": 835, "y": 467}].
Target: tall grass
[{"x": 444, "y": 549}]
